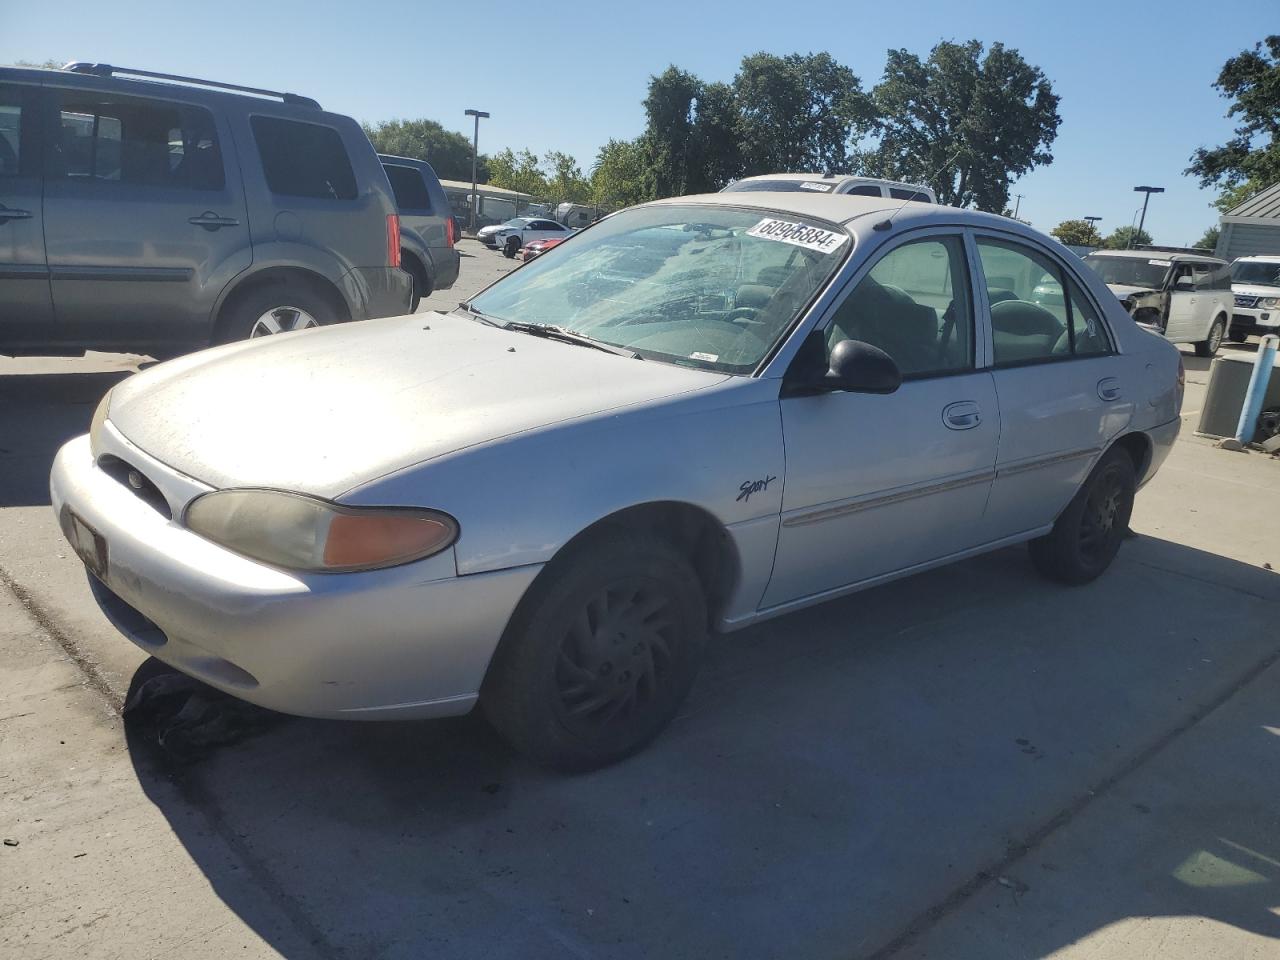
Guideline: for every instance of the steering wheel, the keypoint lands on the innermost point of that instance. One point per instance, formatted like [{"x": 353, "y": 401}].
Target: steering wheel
[{"x": 742, "y": 316}]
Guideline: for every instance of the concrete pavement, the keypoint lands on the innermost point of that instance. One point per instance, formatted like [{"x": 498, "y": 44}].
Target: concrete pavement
[{"x": 968, "y": 763}]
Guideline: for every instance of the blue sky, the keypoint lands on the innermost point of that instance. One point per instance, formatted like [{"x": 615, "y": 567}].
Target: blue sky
[{"x": 1134, "y": 78}]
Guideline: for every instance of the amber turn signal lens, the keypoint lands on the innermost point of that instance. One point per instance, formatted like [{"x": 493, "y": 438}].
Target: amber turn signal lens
[{"x": 366, "y": 540}]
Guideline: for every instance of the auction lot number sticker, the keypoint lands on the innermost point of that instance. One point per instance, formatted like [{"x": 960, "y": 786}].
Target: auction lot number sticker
[{"x": 798, "y": 234}]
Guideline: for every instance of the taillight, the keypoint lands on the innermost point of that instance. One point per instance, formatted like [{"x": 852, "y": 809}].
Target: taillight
[
  {"x": 451, "y": 231},
  {"x": 393, "y": 239}
]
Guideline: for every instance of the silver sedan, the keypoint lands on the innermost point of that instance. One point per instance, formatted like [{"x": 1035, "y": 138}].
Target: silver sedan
[{"x": 696, "y": 414}]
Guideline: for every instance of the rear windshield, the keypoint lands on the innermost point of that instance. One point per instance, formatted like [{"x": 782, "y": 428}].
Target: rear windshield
[
  {"x": 408, "y": 186},
  {"x": 304, "y": 159},
  {"x": 781, "y": 186},
  {"x": 1130, "y": 271}
]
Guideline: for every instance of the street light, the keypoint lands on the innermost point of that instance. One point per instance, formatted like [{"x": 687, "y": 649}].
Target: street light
[
  {"x": 1145, "y": 200},
  {"x": 1093, "y": 224},
  {"x": 475, "y": 153}
]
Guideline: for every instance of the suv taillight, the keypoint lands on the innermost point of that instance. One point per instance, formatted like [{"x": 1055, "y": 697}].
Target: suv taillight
[
  {"x": 393, "y": 239},
  {"x": 451, "y": 232}
]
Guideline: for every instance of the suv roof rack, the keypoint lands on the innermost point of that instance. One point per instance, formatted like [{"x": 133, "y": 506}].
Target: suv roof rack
[
  {"x": 1157, "y": 248},
  {"x": 107, "y": 70}
]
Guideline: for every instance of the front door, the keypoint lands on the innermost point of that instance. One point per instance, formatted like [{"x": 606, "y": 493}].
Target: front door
[
  {"x": 144, "y": 222},
  {"x": 878, "y": 484},
  {"x": 26, "y": 309},
  {"x": 1063, "y": 391}
]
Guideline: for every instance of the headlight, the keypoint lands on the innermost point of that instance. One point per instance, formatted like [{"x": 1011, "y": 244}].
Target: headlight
[
  {"x": 302, "y": 533},
  {"x": 99, "y": 418},
  {"x": 1269, "y": 302}
]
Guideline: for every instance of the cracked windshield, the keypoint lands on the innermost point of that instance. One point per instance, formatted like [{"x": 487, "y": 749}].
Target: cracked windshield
[{"x": 705, "y": 286}]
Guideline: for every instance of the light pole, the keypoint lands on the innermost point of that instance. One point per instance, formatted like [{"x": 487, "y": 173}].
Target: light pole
[
  {"x": 1145, "y": 200},
  {"x": 1093, "y": 224},
  {"x": 475, "y": 153}
]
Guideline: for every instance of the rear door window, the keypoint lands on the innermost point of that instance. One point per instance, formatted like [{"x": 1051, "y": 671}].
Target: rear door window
[
  {"x": 132, "y": 140},
  {"x": 408, "y": 186},
  {"x": 304, "y": 159}
]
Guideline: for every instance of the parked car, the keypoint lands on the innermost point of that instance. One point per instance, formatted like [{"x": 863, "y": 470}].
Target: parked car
[
  {"x": 832, "y": 183},
  {"x": 428, "y": 230},
  {"x": 1187, "y": 297},
  {"x": 535, "y": 248},
  {"x": 541, "y": 501},
  {"x": 1255, "y": 287},
  {"x": 509, "y": 237},
  {"x": 161, "y": 213}
]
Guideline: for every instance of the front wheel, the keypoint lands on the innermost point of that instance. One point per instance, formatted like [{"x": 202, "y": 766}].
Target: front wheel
[
  {"x": 511, "y": 247},
  {"x": 1210, "y": 344},
  {"x": 1238, "y": 336},
  {"x": 600, "y": 655},
  {"x": 1088, "y": 534}
]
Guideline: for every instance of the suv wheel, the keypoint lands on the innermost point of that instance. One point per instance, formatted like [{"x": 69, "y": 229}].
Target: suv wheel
[
  {"x": 421, "y": 286},
  {"x": 273, "y": 308},
  {"x": 1209, "y": 346},
  {"x": 511, "y": 247},
  {"x": 601, "y": 653},
  {"x": 1238, "y": 336}
]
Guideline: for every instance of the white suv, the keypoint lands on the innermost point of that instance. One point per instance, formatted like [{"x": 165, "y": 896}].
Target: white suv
[
  {"x": 1255, "y": 282},
  {"x": 833, "y": 183}
]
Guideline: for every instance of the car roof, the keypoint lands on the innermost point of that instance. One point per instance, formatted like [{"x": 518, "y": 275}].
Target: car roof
[
  {"x": 833, "y": 177},
  {"x": 1155, "y": 255}
]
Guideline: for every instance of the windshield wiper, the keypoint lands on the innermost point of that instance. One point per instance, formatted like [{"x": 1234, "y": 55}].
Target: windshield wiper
[
  {"x": 466, "y": 307},
  {"x": 569, "y": 336}
]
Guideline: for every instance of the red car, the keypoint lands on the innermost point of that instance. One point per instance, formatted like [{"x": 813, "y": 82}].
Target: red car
[{"x": 536, "y": 247}]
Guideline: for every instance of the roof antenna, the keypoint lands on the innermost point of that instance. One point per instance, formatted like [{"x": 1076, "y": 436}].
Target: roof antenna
[{"x": 887, "y": 222}]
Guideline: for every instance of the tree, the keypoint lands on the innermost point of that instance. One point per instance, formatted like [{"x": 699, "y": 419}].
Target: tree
[
  {"x": 718, "y": 137},
  {"x": 621, "y": 175},
  {"x": 1122, "y": 238},
  {"x": 799, "y": 112},
  {"x": 1250, "y": 160},
  {"x": 1210, "y": 239},
  {"x": 1077, "y": 233},
  {"x": 669, "y": 131},
  {"x": 965, "y": 124},
  {"x": 564, "y": 180},
  {"x": 449, "y": 153},
  {"x": 517, "y": 171}
]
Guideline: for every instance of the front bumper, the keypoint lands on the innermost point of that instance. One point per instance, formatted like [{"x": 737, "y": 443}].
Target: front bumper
[
  {"x": 406, "y": 642},
  {"x": 1255, "y": 320}
]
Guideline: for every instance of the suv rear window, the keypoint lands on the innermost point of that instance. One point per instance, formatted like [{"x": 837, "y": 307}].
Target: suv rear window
[
  {"x": 131, "y": 140},
  {"x": 304, "y": 159},
  {"x": 408, "y": 186}
]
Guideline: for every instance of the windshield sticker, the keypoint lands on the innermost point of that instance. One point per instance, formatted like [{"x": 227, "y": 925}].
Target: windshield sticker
[
  {"x": 1161, "y": 263},
  {"x": 705, "y": 357},
  {"x": 820, "y": 187},
  {"x": 797, "y": 234}
]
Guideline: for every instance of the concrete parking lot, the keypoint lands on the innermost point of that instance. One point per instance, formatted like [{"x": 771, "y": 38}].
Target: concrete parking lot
[{"x": 971, "y": 763}]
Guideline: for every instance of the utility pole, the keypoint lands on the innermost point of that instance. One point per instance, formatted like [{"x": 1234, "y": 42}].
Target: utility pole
[
  {"x": 1148, "y": 191},
  {"x": 475, "y": 153},
  {"x": 1017, "y": 206}
]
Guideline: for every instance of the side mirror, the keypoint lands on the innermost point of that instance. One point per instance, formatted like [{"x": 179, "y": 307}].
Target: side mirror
[{"x": 859, "y": 367}]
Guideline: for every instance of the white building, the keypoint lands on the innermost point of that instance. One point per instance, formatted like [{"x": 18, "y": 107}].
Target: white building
[{"x": 1252, "y": 228}]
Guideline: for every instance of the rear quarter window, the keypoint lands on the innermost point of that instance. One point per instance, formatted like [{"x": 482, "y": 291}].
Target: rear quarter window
[
  {"x": 409, "y": 187},
  {"x": 303, "y": 159}
]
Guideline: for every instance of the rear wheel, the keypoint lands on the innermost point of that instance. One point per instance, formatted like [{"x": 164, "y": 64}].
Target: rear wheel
[
  {"x": 511, "y": 247},
  {"x": 600, "y": 654},
  {"x": 1087, "y": 535},
  {"x": 421, "y": 284},
  {"x": 273, "y": 308},
  {"x": 1209, "y": 346}
]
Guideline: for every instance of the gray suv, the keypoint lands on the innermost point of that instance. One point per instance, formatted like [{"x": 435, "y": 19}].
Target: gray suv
[
  {"x": 428, "y": 230},
  {"x": 152, "y": 216}
]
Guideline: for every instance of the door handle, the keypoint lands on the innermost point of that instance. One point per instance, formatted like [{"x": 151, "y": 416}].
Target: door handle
[
  {"x": 1109, "y": 389},
  {"x": 211, "y": 221},
  {"x": 9, "y": 213},
  {"x": 961, "y": 415}
]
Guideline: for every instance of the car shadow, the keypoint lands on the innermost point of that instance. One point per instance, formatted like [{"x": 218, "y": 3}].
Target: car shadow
[
  {"x": 38, "y": 414},
  {"x": 835, "y": 775}
]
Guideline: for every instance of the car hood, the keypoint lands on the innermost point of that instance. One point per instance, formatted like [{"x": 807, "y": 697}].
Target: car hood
[
  {"x": 492, "y": 228},
  {"x": 1123, "y": 290},
  {"x": 323, "y": 411}
]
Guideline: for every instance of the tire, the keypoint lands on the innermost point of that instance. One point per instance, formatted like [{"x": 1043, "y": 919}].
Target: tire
[
  {"x": 567, "y": 686},
  {"x": 1209, "y": 346},
  {"x": 421, "y": 286},
  {"x": 511, "y": 247},
  {"x": 289, "y": 306},
  {"x": 1238, "y": 336},
  {"x": 1088, "y": 534}
]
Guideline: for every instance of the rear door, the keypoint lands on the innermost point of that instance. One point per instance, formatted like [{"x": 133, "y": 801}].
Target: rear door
[
  {"x": 26, "y": 308},
  {"x": 144, "y": 219},
  {"x": 1063, "y": 391},
  {"x": 1186, "y": 309}
]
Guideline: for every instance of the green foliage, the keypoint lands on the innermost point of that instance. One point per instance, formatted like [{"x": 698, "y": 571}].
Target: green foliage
[
  {"x": 1210, "y": 239},
  {"x": 565, "y": 182},
  {"x": 1077, "y": 233},
  {"x": 669, "y": 108},
  {"x": 1250, "y": 160},
  {"x": 517, "y": 171},
  {"x": 449, "y": 153},
  {"x": 622, "y": 174},
  {"x": 1122, "y": 238},
  {"x": 964, "y": 123}
]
